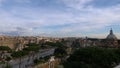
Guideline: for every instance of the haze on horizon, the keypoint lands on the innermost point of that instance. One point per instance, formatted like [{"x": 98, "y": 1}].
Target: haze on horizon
[{"x": 60, "y": 18}]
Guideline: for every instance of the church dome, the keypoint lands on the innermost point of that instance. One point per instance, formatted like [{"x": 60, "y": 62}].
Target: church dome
[{"x": 111, "y": 35}]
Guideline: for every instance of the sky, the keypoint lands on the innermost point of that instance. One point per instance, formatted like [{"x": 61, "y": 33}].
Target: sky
[{"x": 60, "y": 18}]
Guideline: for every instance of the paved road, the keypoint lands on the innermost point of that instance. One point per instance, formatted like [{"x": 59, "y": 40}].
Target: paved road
[{"x": 28, "y": 60}]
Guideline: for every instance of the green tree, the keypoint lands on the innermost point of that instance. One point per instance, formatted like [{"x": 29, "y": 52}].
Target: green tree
[
  {"x": 19, "y": 54},
  {"x": 60, "y": 52},
  {"x": 7, "y": 64},
  {"x": 32, "y": 48},
  {"x": 93, "y": 57},
  {"x": 3, "y": 49},
  {"x": 32, "y": 44},
  {"x": 55, "y": 44}
]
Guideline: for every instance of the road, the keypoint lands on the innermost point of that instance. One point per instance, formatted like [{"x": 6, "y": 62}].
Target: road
[{"x": 28, "y": 60}]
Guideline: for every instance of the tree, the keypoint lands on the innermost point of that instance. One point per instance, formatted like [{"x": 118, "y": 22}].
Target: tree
[
  {"x": 3, "y": 49},
  {"x": 55, "y": 44},
  {"x": 32, "y": 48},
  {"x": 7, "y": 64},
  {"x": 60, "y": 52},
  {"x": 93, "y": 57},
  {"x": 32, "y": 44},
  {"x": 19, "y": 54},
  {"x": 76, "y": 43}
]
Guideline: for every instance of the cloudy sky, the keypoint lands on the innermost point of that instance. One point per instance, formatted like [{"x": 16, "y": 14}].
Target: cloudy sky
[{"x": 59, "y": 18}]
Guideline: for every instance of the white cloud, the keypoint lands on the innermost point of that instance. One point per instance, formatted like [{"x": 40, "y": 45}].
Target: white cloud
[
  {"x": 81, "y": 16},
  {"x": 76, "y": 4},
  {"x": 22, "y": 1},
  {"x": 94, "y": 19}
]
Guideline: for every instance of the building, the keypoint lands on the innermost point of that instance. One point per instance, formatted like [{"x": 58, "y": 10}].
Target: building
[{"x": 111, "y": 40}]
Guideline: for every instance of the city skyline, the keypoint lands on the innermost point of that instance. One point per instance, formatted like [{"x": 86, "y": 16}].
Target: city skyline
[{"x": 60, "y": 18}]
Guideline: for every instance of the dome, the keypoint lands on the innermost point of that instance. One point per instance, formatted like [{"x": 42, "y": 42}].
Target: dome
[{"x": 111, "y": 35}]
